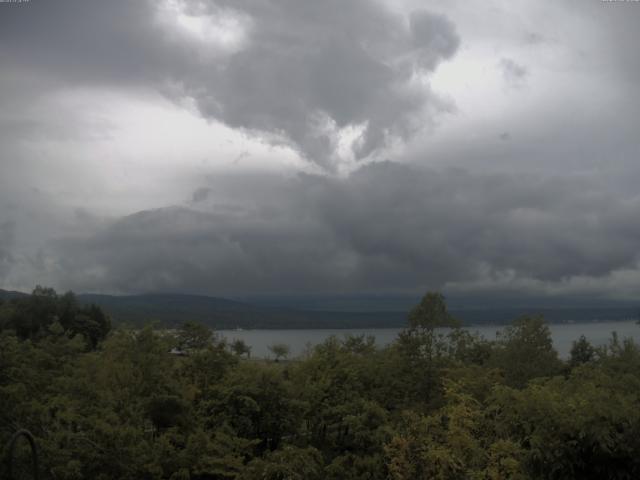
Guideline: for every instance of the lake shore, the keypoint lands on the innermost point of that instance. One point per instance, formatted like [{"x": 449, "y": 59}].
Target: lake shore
[{"x": 563, "y": 335}]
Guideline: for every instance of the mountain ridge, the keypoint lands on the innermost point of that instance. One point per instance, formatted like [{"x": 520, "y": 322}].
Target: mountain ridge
[{"x": 171, "y": 309}]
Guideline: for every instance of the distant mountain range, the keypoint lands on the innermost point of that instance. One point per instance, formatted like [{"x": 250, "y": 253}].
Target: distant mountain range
[
  {"x": 307, "y": 312},
  {"x": 11, "y": 294}
]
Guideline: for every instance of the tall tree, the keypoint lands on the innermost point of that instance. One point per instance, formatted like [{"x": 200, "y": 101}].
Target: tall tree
[
  {"x": 431, "y": 313},
  {"x": 525, "y": 351},
  {"x": 280, "y": 350},
  {"x": 194, "y": 336}
]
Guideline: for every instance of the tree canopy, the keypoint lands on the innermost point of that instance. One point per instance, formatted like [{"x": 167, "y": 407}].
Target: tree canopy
[
  {"x": 444, "y": 405},
  {"x": 431, "y": 313},
  {"x": 44, "y": 311}
]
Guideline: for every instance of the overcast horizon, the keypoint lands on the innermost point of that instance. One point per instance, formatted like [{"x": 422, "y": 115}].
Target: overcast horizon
[{"x": 238, "y": 148}]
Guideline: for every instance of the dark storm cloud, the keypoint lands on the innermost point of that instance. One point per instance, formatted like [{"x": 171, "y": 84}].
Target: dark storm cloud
[
  {"x": 387, "y": 226},
  {"x": 312, "y": 68},
  {"x": 545, "y": 194},
  {"x": 303, "y": 70}
]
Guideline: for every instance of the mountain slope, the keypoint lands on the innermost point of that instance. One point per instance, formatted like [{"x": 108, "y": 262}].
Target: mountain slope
[
  {"x": 172, "y": 309},
  {"x": 8, "y": 294}
]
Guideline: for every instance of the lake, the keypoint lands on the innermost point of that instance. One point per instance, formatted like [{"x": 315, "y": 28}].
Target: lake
[{"x": 598, "y": 333}]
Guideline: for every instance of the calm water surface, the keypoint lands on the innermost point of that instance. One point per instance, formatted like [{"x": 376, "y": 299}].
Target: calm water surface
[{"x": 298, "y": 340}]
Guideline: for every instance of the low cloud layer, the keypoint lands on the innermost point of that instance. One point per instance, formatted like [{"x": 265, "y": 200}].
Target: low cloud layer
[{"x": 387, "y": 227}]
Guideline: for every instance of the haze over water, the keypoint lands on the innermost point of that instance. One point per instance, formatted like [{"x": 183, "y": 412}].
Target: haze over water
[{"x": 598, "y": 333}]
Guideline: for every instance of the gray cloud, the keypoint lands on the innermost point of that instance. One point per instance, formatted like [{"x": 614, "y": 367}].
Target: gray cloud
[
  {"x": 386, "y": 227},
  {"x": 7, "y": 239},
  {"x": 513, "y": 73},
  {"x": 200, "y": 194},
  {"x": 550, "y": 210},
  {"x": 302, "y": 72},
  {"x": 434, "y": 38},
  {"x": 311, "y": 69}
]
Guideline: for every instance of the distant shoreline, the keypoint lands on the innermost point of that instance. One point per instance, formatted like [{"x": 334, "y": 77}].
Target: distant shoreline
[{"x": 470, "y": 325}]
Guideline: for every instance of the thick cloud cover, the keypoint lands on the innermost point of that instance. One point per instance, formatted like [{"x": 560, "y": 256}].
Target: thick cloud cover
[
  {"x": 160, "y": 145},
  {"x": 332, "y": 79},
  {"x": 387, "y": 226}
]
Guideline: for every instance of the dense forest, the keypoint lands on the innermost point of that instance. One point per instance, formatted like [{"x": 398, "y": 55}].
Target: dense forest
[{"x": 108, "y": 402}]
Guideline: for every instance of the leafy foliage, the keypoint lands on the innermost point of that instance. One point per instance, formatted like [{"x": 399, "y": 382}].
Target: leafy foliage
[
  {"x": 44, "y": 311},
  {"x": 431, "y": 312},
  {"x": 436, "y": 404},
  {"x": 280, "y": 350}
]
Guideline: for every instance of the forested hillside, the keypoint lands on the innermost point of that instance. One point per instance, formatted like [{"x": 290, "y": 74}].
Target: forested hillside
[
  {"x": 107, "y": 403},
  {"x": 170, "y": 310}
]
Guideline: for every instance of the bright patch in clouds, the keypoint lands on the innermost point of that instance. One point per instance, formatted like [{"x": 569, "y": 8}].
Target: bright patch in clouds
[
  {"x": 225, "y": 29},
  {"x": 136, "y": 152}
]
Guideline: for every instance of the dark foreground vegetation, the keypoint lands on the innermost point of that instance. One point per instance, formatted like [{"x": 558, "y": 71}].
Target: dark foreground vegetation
[{"x": 108, "y": 403}]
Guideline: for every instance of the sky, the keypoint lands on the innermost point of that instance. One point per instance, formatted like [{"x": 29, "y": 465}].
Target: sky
[{"x": 337, "y": 147}]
